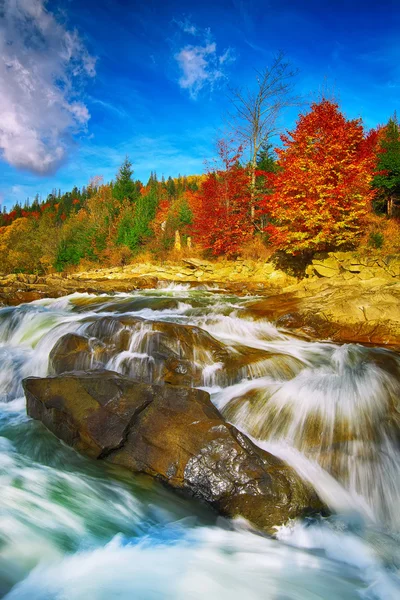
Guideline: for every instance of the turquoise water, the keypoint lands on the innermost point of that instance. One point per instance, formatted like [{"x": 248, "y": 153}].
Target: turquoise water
[{"x": 73, "y": 529}]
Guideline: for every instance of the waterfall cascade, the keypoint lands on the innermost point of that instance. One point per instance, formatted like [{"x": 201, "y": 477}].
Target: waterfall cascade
[{"x": 68, "y": 529}]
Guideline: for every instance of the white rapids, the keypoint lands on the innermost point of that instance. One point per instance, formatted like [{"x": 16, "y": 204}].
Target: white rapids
[{"x": 71, "y": 529}]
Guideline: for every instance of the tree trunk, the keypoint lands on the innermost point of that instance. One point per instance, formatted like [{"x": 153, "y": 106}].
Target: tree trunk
[
  {"x": 253, "y": 188},
  {"x": 177, "y": 245},
  {"x": 390, "y": 207}
]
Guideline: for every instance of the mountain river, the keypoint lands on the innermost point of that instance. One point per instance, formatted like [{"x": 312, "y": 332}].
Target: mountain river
[{"x": 72, "y": 529}]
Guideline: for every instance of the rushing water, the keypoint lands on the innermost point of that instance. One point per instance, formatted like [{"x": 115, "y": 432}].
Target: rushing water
[{"x": 71, "y": 529}]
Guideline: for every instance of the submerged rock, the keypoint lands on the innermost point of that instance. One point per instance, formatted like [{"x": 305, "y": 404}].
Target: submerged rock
[
  {"x": 343, "y": 413},
  {"x": 174, "y": 434}
]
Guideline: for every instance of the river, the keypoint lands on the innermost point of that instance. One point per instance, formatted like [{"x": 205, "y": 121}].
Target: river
[{"x": 71, "y": 529}]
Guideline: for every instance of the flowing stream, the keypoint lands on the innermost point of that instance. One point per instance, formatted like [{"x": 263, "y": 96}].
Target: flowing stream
[{"x": 72, "y": 529}]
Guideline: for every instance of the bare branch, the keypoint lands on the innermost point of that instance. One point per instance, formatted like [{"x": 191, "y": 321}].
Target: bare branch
[{"x": 255, "y": 113}]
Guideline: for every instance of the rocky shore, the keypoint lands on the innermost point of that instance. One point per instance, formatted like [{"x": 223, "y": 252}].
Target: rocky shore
[{"x": 343, "y": 297}]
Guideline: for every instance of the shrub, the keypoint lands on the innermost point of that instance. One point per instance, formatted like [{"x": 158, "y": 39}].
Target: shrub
[
  {"x": 118, "y": 256},
  {"x": 376, "y": 239},
  {"x": 256, "y": 249},
  {"x": 381, "y": 234}
]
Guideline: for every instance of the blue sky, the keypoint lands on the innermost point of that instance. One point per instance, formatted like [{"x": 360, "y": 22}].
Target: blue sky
[{"x": 83, "y": 83}]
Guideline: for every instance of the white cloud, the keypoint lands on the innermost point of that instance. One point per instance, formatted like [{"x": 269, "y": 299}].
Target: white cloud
[
  {"x": 118, "y": 110},
  {"x": 200, "y": 65},
  {"x": 187, "y": 26},
  {"x": 42, "y": 66},
  {"x": 227, "y": 57}
]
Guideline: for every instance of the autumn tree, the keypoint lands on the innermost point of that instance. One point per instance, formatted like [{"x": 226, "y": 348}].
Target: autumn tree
[
  {"x": 322, "y": 191},
  {"x": 17, "y": 246},
  {"x": 222, "y": 207},
  {"x": 257, "y": 110},
  {"x": 26, "y": 246},
  {"x": 387, "y": 178}
]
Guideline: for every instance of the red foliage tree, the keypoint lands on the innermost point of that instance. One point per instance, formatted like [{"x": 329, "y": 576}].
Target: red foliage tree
[
  {"x": 322, "y": 192},
  {"x": 221, "y": 207}
]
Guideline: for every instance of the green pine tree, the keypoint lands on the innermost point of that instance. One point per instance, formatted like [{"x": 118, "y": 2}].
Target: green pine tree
[
  {"x": 171, "y": 188},
  {"x": 125, "y": 187},
  {"x": 185, "y": 214},
  {"x": 387, "y": 180},
  {"x": 266, "y": 160},
  {"x": 134, "y": 228}
]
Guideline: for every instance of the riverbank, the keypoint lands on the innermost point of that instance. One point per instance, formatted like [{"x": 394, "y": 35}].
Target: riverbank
[{"x": 343, "y": 297}]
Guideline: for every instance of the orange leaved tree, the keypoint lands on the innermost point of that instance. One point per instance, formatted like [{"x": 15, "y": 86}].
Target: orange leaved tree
[{"x": 322, "y": 192}]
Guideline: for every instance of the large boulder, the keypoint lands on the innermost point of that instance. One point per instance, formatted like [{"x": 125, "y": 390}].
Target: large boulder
[
  {"x": 174, "y": 434},
  {"x": 155, "y": 352}
]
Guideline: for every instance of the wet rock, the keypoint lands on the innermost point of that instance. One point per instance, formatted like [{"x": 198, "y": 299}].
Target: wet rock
[
  {"x": 356, "y": 299},
  {"x": 15, "y": 297},
  {"x": 190, "y": 342},
  {"x": 180, "y": 372},
  {"x": 73, "y": 352},
  {"x": 22, "y": 288},
  {"x": 174, "y": 434},
  {"x": 137, "y": 304},
  {"x": 156, "y": 352},
  {"x": 115, "y": 333},
  {"x": 273, "y": 307},
  {"x": 144, "y": 350},
  {"x": 344, "y": 412}
]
